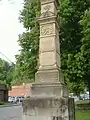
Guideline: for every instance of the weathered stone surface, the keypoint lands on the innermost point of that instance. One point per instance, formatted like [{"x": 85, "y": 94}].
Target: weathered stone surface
[
  {"x": 49, "y": 76},
  {"x": 53, "y": 90},
  {"x": 49, "y": 50},
  {"x": 47, "y": 44},
  {"x": 71, "y": 109},
  {"x": 47, "y": 58},
  {"x": 47, "y": 29},
  {"x": 48, "y": 108}
]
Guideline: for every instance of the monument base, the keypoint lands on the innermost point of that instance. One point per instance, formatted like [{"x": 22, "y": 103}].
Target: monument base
[
  {"x": 48, "y": 109},
  {"x": 49, "y": 76},
  {"x": 48, "y": 102},
  {"x": 55, "y": 90}
]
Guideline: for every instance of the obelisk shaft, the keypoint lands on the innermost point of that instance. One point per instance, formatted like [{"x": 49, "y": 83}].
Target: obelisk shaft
[{"x": 49, "y": 47}]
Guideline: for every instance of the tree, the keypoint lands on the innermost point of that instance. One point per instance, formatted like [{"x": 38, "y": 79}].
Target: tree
[
  {"x": 6, "y": 72},
  {"x": 70, "y": 36},
  {"x": 70, "y": 15},
  {"x": 29, "y": 41},
  {"x": 85, "y": 48}
]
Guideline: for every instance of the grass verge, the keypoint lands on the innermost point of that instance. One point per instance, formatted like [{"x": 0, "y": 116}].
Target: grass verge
[
  {"x": 82, "y": 114},
  {"x": 83, "y": 104},
  {"x": 2, "y": 103}
]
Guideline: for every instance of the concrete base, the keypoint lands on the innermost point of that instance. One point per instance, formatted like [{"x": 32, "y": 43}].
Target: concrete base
[{"x": 48, "y": 109}]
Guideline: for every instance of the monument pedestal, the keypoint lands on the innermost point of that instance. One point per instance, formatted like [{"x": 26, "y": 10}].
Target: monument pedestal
[
  {"x": 48, "y": 108},
  {"x": 52, "y": 90},
  {"x": 48, "y": 102}
]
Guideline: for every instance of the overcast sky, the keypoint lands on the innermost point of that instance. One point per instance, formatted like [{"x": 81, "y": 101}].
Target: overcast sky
[{"x": 10, "y": 27}]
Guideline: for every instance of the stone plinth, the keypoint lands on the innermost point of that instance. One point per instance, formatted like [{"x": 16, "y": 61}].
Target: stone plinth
[
  {"x": 48, "y": 109},
  {"x": 49, "y": 76},
  {"x": 55, "y": 90}
]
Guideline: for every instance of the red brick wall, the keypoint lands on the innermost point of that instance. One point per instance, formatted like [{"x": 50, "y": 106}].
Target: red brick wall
[{"x": 22, "y": 90}]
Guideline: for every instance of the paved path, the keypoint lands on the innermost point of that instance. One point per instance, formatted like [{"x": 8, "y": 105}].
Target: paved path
[{"x": 11, "y": 113}]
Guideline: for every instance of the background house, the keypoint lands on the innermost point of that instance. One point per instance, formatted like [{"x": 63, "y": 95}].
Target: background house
[
  {"x": 21, "y": 90},
  {"x": 3, "y": 92}
]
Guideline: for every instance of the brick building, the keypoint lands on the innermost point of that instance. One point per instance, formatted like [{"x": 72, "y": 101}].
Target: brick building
[
  {"x": 3, "y": 92},
  {"x": 22, "y": 90}
]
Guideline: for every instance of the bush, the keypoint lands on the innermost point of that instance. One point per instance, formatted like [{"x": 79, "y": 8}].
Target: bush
[{"x": 2, "y": 103}]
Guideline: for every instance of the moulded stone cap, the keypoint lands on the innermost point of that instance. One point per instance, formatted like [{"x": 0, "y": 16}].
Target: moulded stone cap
[{"x": 48, "y": 1}]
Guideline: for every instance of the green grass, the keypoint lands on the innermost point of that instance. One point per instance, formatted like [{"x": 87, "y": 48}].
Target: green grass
[
  {"x": 83, "y": 115},
  {"x": 82, "y": 102},
  {"x": 4, "y": 103}
]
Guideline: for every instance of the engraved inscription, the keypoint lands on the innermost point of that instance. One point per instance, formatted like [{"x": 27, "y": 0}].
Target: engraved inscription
[
  {"x": 47, "y": 8},
  {"x": 46, "y": 30},
  {"x": 47, "y": 11}
]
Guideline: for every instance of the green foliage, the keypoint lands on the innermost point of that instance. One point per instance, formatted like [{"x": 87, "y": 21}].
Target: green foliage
[
  {"x": 73, "y": 63},
  {"x": 6, "y": 72},
  {"x": 73, "y": 35},
  {"x": 70, "y": 13},
  {"x": 2, "y": 103},
  {"x": 29, "y": 13},
  {"x": 26, "y": 65},
  {"x": 83, "y": 115},
  {"x": 85, "y": 48}
]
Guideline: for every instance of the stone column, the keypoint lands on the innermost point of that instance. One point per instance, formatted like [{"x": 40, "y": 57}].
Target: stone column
[
  {"x": 49, "y": 95},
  {"x": 49, "y": 48}
]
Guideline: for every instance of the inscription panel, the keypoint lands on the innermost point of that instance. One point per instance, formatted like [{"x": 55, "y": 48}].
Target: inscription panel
[
  {"x": 47, "y": 29},
  {"x": 47, "y": 58},
  {"x": 47, "y": 44},
  {"x": 47, "y": 10},
  {"x": 49, "y": 76}
]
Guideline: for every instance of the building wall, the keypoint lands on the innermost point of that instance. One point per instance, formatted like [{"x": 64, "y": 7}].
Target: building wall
[
  {"x": 3, "y": 93},
  {"x": 22, "y": 90}
]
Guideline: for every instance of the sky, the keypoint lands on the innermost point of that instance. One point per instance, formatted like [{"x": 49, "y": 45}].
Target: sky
[{"x": 10, "y": 28}]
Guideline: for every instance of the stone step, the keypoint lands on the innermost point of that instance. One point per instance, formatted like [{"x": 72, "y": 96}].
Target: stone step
[{"x": 56, "y": 90}]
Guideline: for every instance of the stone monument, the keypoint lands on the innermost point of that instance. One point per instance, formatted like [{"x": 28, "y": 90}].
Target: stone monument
[{"x": 49, "y": 95}]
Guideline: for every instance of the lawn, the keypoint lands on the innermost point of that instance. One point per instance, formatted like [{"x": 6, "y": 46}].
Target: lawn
[
  {"x": 82, "y": 102},
  {"x": 83, "y": 115}
]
